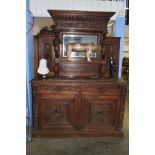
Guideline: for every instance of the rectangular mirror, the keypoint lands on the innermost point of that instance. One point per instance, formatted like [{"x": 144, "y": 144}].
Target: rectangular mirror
[{"x": 82, "y": 39}]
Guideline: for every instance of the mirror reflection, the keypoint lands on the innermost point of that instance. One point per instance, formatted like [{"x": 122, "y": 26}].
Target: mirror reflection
[{"x": 81, "y": 39}]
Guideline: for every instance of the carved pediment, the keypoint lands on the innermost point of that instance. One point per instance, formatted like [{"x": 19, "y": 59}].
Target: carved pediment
[{"x": 81, "y": 20}]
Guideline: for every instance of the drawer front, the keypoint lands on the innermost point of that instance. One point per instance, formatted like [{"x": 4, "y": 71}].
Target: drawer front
[
  {"x": 102, "y": 90},
  {"x": 57, "y": 89}
]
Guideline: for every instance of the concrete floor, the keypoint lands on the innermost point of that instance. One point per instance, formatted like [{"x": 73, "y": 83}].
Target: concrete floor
[{"x": 83, "y": 146}]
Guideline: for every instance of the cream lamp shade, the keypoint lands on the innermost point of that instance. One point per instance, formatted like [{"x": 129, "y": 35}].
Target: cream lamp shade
[{"x": 43, "y": 67}]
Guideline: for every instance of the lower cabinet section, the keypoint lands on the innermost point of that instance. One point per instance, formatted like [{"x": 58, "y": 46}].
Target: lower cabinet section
[{"x": 63, "y": 109}]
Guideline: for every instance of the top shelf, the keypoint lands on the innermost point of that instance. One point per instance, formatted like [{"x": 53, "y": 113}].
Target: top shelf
[{"x": 61, "y": 13}]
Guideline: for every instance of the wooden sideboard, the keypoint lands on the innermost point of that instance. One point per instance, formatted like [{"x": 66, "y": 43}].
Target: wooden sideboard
[
  {"x": 78, "y": 98},
  {"x": 78, "y": 107}
]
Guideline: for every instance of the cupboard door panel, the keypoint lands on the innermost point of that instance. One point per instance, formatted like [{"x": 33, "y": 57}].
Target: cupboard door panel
[
  {"x": 55, "y": 113},
  {"x": 103, "y": 112}
]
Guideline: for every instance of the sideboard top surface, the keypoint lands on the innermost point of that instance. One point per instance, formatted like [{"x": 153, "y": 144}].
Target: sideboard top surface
[{"x": 83, "y": 81}]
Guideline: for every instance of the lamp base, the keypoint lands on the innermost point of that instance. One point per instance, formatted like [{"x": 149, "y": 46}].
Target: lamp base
[{"x": 42, "y": 77}]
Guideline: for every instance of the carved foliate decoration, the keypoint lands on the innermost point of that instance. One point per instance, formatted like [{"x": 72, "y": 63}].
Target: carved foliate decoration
[
  {"x": 84, "y": 26},
  {"x": 125, "y": 69},
  {"x": 47, "y": 30},
  {"x": 101, "y": 112},
  {"x": 47, "y": 54},
  {"x": 76, "y": 17},
  {"x": 56, "y": 113},
  {"x": 56, "y": 44},
  {"x": 58, "y": 89},
  {"x": 81, "y": 20}
]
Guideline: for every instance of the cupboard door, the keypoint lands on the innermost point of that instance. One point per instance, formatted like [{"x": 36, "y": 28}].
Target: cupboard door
[
  {"x": 54, "y": 112},
  {"x": 103, "y": 112}
]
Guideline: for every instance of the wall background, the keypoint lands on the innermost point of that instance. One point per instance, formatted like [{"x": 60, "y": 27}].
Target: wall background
[{"x": 40, "y": 8}]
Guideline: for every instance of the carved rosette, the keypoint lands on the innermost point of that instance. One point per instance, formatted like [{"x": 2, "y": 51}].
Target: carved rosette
[{"x": 56, "y": 45}]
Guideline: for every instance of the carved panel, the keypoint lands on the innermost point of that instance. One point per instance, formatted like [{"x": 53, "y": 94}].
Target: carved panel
[
  {"x": 48, "y": 54},
  {"x": 57, "y": 89},
  {"x": 100, "y": 90},
  {"x": 111, "y": 50},
  {"x": 102, "y": 113},
  {"x": 76, "y": 17},
  {"x": 54, "y": 112},
  {"x": 46, "y": 51},
  {"x": 85, "y": 26}
]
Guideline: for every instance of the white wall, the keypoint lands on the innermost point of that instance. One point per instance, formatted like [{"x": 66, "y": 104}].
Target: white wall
[
  {"x": 125, "y": 54},
  {"x": 39, "y": 7}
]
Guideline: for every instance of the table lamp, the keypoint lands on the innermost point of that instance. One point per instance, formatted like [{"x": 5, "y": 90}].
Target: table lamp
[{"x": 43, "y": 70}]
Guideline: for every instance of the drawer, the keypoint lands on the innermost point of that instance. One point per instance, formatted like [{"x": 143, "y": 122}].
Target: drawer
[
  {"x": 102, "y": 90},
  {"x": 57, "y": 89}
]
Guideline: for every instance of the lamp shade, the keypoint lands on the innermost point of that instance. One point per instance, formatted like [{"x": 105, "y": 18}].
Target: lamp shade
[{"x": 43, "y": 67}]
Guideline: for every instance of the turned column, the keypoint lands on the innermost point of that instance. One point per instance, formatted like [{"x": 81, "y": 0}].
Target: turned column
[
  {"x": 56, "y": 45},
  {"x": 104, "y": 68}
]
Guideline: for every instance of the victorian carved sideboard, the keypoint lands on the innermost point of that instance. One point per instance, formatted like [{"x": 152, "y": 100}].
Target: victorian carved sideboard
[{"x": 79, "y": 97}]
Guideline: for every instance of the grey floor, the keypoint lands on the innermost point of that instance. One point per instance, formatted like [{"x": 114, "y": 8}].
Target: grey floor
[{"x": 83, "y": 146}]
